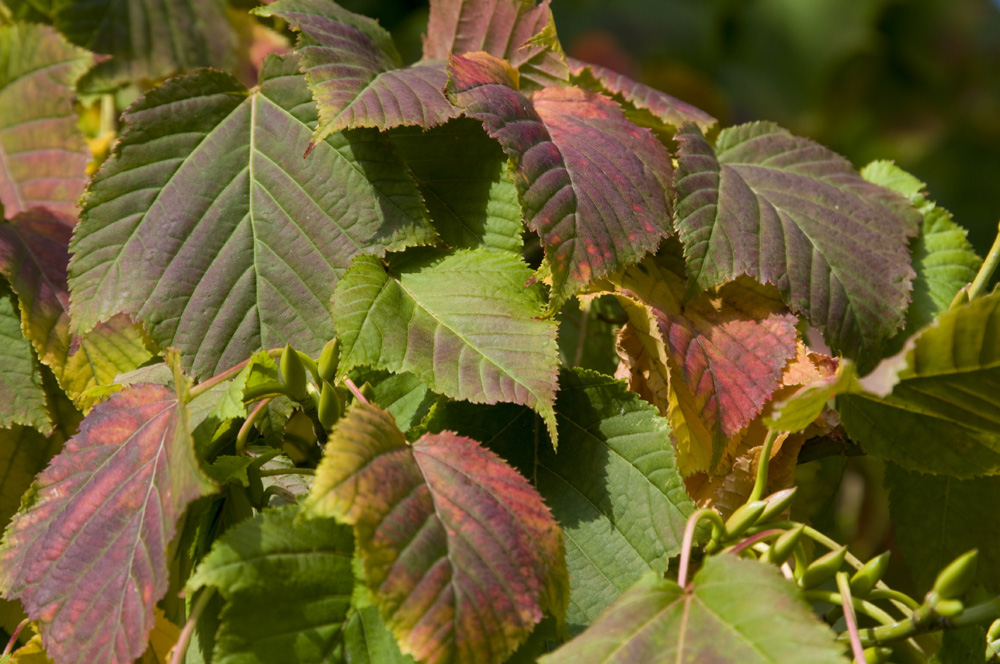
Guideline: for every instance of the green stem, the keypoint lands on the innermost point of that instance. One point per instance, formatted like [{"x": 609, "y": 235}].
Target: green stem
[
  {"x": 355, "y": 391},
  {"x": 274, "y": 472},
  {"x": 582, "y": 336},
  {"x": 765, "y": 460},
  {"x": 244, "y": 432},
  {"x": 109, "y": 122},
  {"x": 180, "y": 649},
  {"x": 860, "y": 605},
  {"x": 6, "y": 17},
  {"x": 201, "y": 388},
  {"x": 894, "y": 595},
  {"x": 986, "y": 271},
  {"x": 718, "y": 527},
  {"x": 851, "y": 620},
  {"x": 13, "y": 638},
  {"x": 912, "y": 626}
]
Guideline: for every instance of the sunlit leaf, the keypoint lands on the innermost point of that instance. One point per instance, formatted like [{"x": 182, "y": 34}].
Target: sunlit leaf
[
  {"x": 459, "y": 550},
  {"x": 791, "y": 213},
  {"x": 402, "y": 394},
  {"x": 717, "y": 619},
  {"x": 258, "y": 235},
  {"x": 87, "y": 553},
  {"x": 353, "y": 71},
  {"x": 22, "y": 397},
  {"x": 43, "y": 157},
  {"x": 463, "y": 323},
  {"x": 287, "y": 584},
  {"x": 595, "y": 187}
]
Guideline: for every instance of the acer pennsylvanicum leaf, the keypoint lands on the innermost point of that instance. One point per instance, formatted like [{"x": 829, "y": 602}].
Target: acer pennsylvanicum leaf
[
  {"x": 595, "y": 187},
  {"x": 791, "y": 213},
  {"x": 461, "y": 554},
  {"x": 716, "y": 619},
  {"x": 33, "y": 257},
  {"x": 209, "y": 226},
  {"x": 353, "y": 71},
  {"x": 86, "y": 555},
  {"x": 464, "y": 323},
  {"x": 43, "y": 156},
  {"x": 24, "y": 452},
  {"x": 518, "y": 31},
  {"x": 22, "y": 397}
]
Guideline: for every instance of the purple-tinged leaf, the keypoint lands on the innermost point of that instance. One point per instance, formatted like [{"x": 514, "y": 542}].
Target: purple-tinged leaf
[
  {"x": 43, "y": 157},
  {"x": 668, "y": 110},
  {"x": 87, "y": 554},
  {"x": 789, "y": 212},
  {"x": 595, "y": 187},
  {"x": 460, "y": 552}
]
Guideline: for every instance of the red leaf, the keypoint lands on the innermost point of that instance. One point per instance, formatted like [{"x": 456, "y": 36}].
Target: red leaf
[{"x": 87, "y": 555}]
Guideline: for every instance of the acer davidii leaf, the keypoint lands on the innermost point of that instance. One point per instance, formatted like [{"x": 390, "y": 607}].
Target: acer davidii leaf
[
  {"x": 483, "y": 555},
  {"x": 518, "y": 31},
  {"x": 43, "y": 156},
  {"x": 287, "y": 584},
  {"x": 22, "y": 397},
  {"x": 716, "y": 619},
  {"x": 595, "y": 187},
  {"x": 464, "y": 323},
  {"x": 665, "y": 108},
  {"x": 86, "y": 555},
  {"x": 791, "y": 213},
  {"x": 209, "y": 226},
  {"x": 33, "y": 257}
]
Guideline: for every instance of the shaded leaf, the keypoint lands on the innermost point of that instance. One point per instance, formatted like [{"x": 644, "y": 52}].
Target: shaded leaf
[
  {"x": 24, "y": 452},
  {"x": 287, "y": 584},
  {"x": 22, "y": 397},
  {"x": 791, "y": 213},
  {"x": 403, "y": 395},
  {"x": 587, "y": 333},
  {"x": 257, "y": 235},
  {"x": 43, "y": 156},
  {"x": 367, "y": 639},
  {"x": 595, "y": 187},
  {"x": 463, "y": 323},
  {"x": 944, "y": 414},
  {"x": 717, "y": 619},
  {"x": 86, "y": 555},
  {"x": 352, "y": 68},
  {"x": 481, "y": 553}
]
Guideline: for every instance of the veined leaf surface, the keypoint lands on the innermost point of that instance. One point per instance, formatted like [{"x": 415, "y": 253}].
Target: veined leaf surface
[
  {"x": 87, "y": 554},
  {"x": 791, "y": 213},
  {"x": 22, "y": 397},
  {"x": 211, "y": 228},
  {"x": 459, "y": 550}
]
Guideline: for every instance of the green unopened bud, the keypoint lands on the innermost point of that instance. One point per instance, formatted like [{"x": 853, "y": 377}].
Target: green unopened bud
[
  {"x": 864, "y": 580},
  {"x": 329, "y": 358},
  {"x": 368, "y": 392},
  {"x": 744, "y": 517},
  {"x": 783, "y": 547},
  {"x": 777, "y": 503},
  {"x": 329, "y": 409},
  {"x": 948, "y": 608},
  {"x": 993, "y": 633},
  {"x": 293, "y": 374},
  {"x": 823, "y": 568},
  {"x": 956, "y": 578},
  {"x": 877, "y": 654}
]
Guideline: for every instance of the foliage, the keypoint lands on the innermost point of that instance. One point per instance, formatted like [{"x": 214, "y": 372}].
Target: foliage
[{"x": 318, "y": 368}]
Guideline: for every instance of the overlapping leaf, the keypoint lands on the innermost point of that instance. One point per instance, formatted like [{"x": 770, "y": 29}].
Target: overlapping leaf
[
  {"x": 211, "y": 228},
  {"x": 718, "y": 618},
  {"x": 24, "y": 452},
  {"x": 33, "y": 257},
  {"x": 595, "y": 187},
  {"x": 464, "y": 323},
  {"x": 43, "y": 157},
  {"x": 287, "y": 584},
  {"x": 352, "y": 68},
  {"x": 367, "y": 639},
  {"x": 22, "y": 397},
  {"x": 87, "y": 555},
  {"x": 459, "y": 550},
  {"x": 789, "y": 212},
  {"x": 147, "y": 39},
  {"x": 944, "y": 414}
]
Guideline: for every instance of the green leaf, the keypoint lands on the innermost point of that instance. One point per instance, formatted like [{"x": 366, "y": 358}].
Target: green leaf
[
  {"x": 43, "y": 157},
  {"x": 791, "y": 213},
  {"x": 147, "y": 39},
  {"x": 944, "y": 414},
  {"x": 257, "y": 235},
  {"x": 463, "y": 176},
  {"x": 23, "y": 453},
  {"x": 86, "y": 554},
  {"x": 403, "y": 395},
  {"x": 483, "y": 555},
  {"x": 287, "y": 584},
  {"x": 463, "y": 323},
  {"x": 22, "y": 397},
  {"x": 587, "y": 334},
  {"x": 367, "y": 639},
  {"x": 937, "y": 518},
  {"x": 734, "y": 611}
]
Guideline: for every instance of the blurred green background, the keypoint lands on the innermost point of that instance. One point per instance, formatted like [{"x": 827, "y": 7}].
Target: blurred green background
[{"x": 915, "y": 81}]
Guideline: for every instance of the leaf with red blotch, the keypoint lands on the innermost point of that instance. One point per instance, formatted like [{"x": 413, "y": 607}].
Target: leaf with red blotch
[
  {"x": 459, "y": 550},
  {"x": 665, "y": 108},
  {"x": 789, "y": 212},
  {"x": 86, "y": 555},
  {"x": 43, "y": 156},
  {"x": 514, "y": 30},
  {"x": 33, "y": 257},
  {"x": 594, "y": 186},
  {"x": 352, "y": 69},
  {"x": 725, "y": 350}
]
